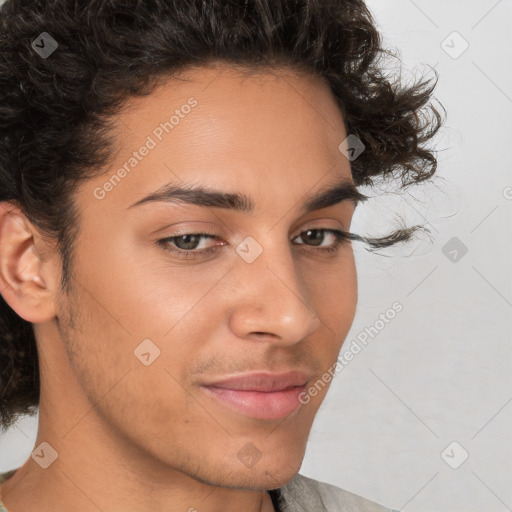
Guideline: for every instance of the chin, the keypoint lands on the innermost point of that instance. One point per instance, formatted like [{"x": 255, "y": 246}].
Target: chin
[
  {"x": 271, "y": 471},
  {"x": 269, "y": 475}
]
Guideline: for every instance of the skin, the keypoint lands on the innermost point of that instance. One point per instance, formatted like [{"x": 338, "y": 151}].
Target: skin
[{"x": 131, "y": 437}]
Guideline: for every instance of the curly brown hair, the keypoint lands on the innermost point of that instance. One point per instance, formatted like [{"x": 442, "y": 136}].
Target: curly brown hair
[{"x": 54, "y": 112}]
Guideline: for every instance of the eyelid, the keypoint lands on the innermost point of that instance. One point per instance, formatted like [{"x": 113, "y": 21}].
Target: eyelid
[
  {"x": 213, "y": 233},
  {"x": 213, "y": 230},
  {"x": 340, "y": 236}
]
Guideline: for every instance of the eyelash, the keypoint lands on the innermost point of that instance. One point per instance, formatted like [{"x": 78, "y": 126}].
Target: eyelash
[{"x": 341, "y": 237}]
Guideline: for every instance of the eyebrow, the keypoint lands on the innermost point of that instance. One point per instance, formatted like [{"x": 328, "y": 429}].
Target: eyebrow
[{"x": 203, "y": 196}]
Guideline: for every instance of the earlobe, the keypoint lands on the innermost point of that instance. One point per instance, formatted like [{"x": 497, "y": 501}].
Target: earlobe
[{"x": 22, "y": 283}]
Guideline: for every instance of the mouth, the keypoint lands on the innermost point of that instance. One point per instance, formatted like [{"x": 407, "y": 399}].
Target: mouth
[{"x": 266, "y": 396}]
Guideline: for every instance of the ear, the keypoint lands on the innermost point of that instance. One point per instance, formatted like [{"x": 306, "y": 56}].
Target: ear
[{"x": 28, "y": 272}]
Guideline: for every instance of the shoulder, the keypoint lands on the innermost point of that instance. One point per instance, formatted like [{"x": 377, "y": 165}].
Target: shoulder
[
  {"x": 3, "y": 477},
  {"x": 305, "y": 494}
]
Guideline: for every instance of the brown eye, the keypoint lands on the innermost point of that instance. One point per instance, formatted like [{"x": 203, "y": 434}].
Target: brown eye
[
  {"x": 313, "y": 235},
  {"x": 185, "y": 246},
  {"x": 187, "y": 242}
]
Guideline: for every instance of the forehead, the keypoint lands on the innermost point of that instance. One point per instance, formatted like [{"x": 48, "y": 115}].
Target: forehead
[
  {"x": 225, "y": 87},
  {"x": 225, "y": 126}
]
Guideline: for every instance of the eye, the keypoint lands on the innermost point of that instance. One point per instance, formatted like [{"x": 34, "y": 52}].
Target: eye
[
  {"x": 316, "y": 236},
  {"x": 186, "y": 245}
]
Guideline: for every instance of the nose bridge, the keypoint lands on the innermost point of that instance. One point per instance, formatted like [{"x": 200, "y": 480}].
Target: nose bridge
[{"x": 272, "y": 299}]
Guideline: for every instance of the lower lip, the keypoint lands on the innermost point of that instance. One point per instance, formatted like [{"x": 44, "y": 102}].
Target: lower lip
[{"x": 258, "y": 404}]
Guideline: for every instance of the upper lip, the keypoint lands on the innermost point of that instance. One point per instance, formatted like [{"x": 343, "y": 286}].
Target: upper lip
[{"x": 262, "y": 381}]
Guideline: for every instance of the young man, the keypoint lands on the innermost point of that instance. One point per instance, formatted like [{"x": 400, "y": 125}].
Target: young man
[{"x": 177, "y": 183}]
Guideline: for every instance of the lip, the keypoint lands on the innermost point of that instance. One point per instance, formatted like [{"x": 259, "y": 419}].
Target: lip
[{"x": 260, "y": 395}]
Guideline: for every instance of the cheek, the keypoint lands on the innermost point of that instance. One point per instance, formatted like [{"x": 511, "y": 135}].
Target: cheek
[
  {"x": 129, "y": 394},
  {"x": 333, "y": 292}
]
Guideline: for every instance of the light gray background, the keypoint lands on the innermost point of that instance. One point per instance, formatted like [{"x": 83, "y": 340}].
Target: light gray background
[{"x": 440, "y": 371}]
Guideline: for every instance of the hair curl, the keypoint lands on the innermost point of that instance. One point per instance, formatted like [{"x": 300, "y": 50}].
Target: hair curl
[{"x": 54, "y": 112}]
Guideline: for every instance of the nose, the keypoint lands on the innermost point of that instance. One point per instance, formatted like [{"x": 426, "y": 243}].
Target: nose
[{"x": 271, "y": 303}]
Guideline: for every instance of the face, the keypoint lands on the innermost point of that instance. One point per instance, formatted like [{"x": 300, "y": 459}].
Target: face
[{"x": 169, "y": 297}]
